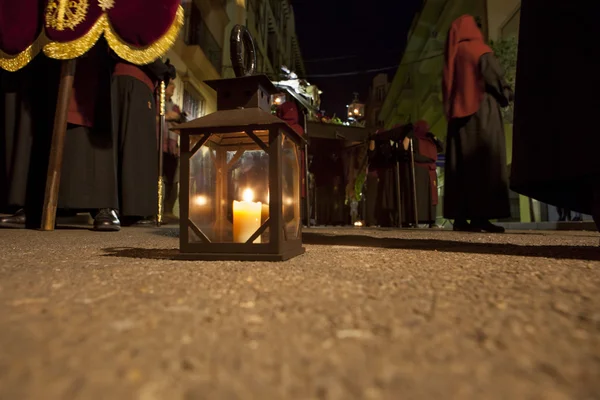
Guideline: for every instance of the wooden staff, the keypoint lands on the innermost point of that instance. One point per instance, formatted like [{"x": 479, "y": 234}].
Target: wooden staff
[
  {"x": 398, "y": 190},
  {"x": 67, "y": 75},
  {"x": 306, "y": 174},
  {"x": 414, "y": 183},
  {"x": 161, "y": 138}
]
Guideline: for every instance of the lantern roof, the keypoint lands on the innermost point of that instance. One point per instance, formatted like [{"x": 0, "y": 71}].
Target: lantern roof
[{"x": 238, "y": 120}]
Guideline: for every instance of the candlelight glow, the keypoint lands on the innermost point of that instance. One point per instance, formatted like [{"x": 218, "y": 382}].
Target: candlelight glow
[
  {"x": 200, "y": 200},
  {"x": 358, "y": 223},
  {"x": 288, "y": 201},
  {"x": 248, "y": 195},
  {"x": 356, "y": 111},
  {"x": 278, "y": 100}
]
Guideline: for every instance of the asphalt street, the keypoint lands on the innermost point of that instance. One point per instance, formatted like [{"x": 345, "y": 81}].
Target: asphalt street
[{"x": 364, "y": 314}]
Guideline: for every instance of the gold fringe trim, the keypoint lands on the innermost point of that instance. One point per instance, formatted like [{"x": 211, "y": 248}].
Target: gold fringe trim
[
  {"x": 13, "y": 63},
  {"x": 146, "y": 55},
  {"x": 78, "y": 47},
  {"x": 139, "y": 56}
]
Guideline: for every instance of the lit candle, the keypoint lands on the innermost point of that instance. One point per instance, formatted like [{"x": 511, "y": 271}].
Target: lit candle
[{"x": 246, "y": 218}]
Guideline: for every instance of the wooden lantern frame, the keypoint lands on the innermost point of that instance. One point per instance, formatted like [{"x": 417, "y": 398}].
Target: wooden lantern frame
[{"x": 239, "y": 130}]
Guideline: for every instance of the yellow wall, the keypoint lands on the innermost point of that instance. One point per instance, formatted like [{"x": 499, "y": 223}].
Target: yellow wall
[{"x": 498, "y": 13}]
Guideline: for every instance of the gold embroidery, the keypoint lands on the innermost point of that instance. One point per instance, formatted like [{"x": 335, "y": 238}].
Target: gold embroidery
[
  {"x": 146, "y": 55},
  {"x": 139, "y": 56},
  {"x": 14, "y": 62},
  {"x": 65, "y": 14},
  {"x": 78, "y": 47},
  {"x": 106, "y": 5}
]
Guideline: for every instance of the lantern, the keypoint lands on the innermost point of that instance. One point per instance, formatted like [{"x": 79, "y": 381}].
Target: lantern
[
  {"x": 278, "y": 99},
  {"x": 356, "y": 109},
  {"x": 240, "y": 178}
]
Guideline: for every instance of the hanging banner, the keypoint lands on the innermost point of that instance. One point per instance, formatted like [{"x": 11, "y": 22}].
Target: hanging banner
[
  {"x": 21, "y": 32},
  {"x": 138, "y": 31}
]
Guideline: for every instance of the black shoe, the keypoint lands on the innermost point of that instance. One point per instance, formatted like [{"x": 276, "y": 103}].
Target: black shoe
[
  {"x": 107, "y": 221},
  {"x": 487, "y": 226},
  {"x": 17, "y": 220},
  {"x": 138, "y": 221},
  {"x": 464, "y": 226},
  {"x": 145, "y": 222}
]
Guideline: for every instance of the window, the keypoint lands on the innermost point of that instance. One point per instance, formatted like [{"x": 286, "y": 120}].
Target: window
[
  {"x": 380, "y": 93},
  {"x": 196, "y": 33},
  {"x": 193, "y": 102}
]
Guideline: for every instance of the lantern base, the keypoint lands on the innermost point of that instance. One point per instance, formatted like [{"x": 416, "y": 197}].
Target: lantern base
[{"x": 240, "y": 256}]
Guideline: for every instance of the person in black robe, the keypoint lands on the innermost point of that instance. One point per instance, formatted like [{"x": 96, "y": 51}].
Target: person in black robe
[
  {"x": 87, "y": 180},
  {"x": 329, "y": 181},
  {"x": 557, "y": 76},
  {"x": 425, "y": 150},
  {"x": 134, "y": 134},
  {"x": 25, "y": 134},
  {"x": 476, "y": 186},
  {"x": 381, "y": 183}
]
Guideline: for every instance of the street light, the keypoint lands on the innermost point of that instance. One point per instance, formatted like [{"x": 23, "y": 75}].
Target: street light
[{"x": 252, "y": 157}]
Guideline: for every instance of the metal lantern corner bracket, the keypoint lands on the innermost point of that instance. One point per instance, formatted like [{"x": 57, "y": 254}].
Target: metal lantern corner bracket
[{"x": 240, "y": 178}]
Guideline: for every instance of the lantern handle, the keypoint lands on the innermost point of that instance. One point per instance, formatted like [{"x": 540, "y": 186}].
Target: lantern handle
[{"x": 242, "y": 51}]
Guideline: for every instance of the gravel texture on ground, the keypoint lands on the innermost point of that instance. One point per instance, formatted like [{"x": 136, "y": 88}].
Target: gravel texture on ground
[{"x": 364, "y": 314}]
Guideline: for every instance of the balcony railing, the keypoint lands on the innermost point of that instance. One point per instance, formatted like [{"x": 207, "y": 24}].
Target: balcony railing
[{"x": 196, "y": 33}]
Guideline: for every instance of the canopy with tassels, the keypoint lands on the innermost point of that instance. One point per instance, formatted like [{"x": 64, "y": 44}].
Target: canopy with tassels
[{"x": 138, "y": 31}]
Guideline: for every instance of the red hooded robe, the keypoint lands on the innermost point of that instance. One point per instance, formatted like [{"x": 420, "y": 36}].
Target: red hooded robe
[{"x": 462, "y": 84}]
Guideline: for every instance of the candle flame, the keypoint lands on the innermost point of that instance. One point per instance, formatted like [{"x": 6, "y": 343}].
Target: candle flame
[
  {"x": 201, "y": 200},
  {"x": 248, "y": 195},
  {"x": 358, "y": 223}
]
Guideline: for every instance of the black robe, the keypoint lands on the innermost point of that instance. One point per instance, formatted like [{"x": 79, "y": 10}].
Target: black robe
[
  {"x": 555, "y": 144},
  {"x": 426, "y": 210},
  {"x": 88, "y": 180},
  {"x": 476, "y": 178},
  {"x": 382, "y": 160},
  {"x": 329, "y": 181},
  {"x": 134, "y": 128},
  {"x": 27, "y": 99}
]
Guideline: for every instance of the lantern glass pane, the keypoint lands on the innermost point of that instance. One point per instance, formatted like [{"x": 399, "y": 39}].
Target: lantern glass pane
[
  {"x": 291, "y": 188},
  {"x": 229, "y": 189}
]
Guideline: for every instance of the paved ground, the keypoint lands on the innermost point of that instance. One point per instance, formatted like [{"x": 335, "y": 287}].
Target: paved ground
[{"x": 365, "y": 314}]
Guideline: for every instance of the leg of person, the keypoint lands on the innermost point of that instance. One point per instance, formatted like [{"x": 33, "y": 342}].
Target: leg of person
[
  {"x": 19, "y": 119},
  {"x": 89, "y": 180},
  {"x": 134, "y": 128}
]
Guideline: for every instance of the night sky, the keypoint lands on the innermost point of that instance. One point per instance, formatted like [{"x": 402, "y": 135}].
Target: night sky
[{"x": 350, "y": 36}]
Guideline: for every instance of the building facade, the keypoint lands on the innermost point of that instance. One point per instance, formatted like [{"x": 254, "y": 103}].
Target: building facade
[
  {"x": 202, "y": 51},
  {"x": 377, "y": 95},
  {"x": 273, "y": 27}
]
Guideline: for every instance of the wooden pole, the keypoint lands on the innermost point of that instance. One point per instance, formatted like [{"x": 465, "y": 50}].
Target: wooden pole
[
  {"x": 414, "y": 183},
  {"x": 161, "y": 139},
  {"x": 398, "y": 192},
  {"x": 306, "y": 175},
  {"x": 57, "y": 147}
]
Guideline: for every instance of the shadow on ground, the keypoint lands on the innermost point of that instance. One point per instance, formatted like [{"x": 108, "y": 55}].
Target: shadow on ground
[{"x": 588, "y": 253}]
